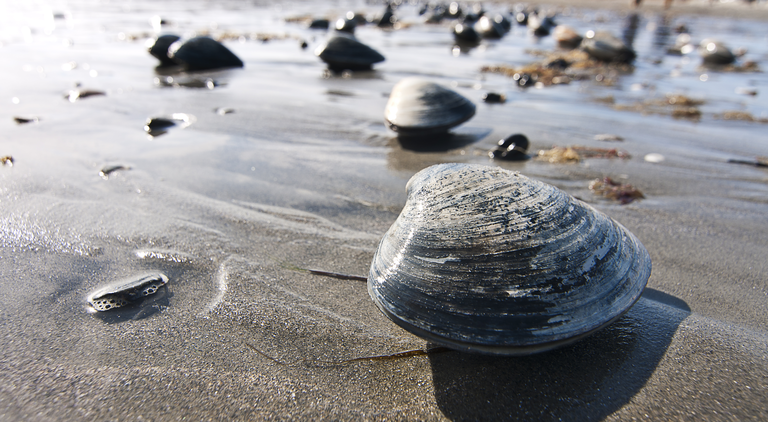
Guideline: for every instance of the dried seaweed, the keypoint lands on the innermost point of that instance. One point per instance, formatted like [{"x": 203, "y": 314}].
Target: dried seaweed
[
  {"x": 563, "y": 67},
  {"x": 577, "y": 153},
  {"x": 624, "y": 193},
  {"x": 740, "y": 116},
  {"x": 675, "y": 105}
]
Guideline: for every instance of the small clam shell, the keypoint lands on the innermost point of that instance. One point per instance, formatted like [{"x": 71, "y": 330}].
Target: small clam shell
[
  {"x": 503, "y": 21},
  {"x": 345, "y": 52},
  {"x": 465, "y": 33},
  {"x": 346, "y": 25},
  {"x": 158, "y": 48},
  {"x": 540, "y": 24},
  {"x": 566, "y": 37},
  {"x": 715, "y": 53},
  {"x": 487, "y": 260},
  {"x": 604, "y": 46},
  {"x": 203, "y": 53},
  {"x": 319, "y": 24},
  {"x": 122, "y": 293},
  {"x": 488, "y": 28},
  {"x": 420, "y": 107}
]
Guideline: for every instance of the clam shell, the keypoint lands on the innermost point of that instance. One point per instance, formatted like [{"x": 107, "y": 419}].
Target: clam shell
[
  {"x": 566, "y": 37},
  {"x": 420, "y": 107},
  {"x": 203, "y": 53},
  {"x": 604, "y": 46},
  {"x": 158, "y": 48},
  {"x": 465, "y": 33},
  {"x": 715, "y": 53},
  {"x": 345, "y": 52},
  {"x": 488, "y": 28},
  {"x": 483, "y": 259},
  {"x": 540, "y": 24},
  {"x": 122, "y": 293}
]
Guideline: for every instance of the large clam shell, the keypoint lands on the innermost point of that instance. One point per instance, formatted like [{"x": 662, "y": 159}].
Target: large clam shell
[
  {"x": 420, "y": 107},
  {"x": 483, "y": 259}
]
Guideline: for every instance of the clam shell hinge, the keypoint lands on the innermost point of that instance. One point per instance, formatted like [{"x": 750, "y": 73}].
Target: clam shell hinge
[{"x": 487, "y": 260}]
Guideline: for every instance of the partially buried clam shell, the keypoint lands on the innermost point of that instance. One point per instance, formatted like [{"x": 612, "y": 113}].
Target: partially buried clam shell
[
  {"x": 343, "y": 52},
  {"x": 420, "y": 107},
  {"x": 123, "y": 293},
  {"x": 487, "y": 260}
]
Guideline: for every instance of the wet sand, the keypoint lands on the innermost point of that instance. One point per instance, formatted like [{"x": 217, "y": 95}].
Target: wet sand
[{"x": 303, "y": 174}]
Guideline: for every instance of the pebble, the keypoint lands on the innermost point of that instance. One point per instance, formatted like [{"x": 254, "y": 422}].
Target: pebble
[{"x": 654, "y": 158}]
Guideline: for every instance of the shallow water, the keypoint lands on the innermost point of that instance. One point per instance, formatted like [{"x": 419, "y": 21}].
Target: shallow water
[{"x": 301, "y": 171}]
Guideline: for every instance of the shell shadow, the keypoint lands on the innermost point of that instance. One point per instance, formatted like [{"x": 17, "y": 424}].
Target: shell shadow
[
  {"x": 356, "y": 74},
  {"x": 150, "y": 306},
  {"x": 586, "y": 381},
  {"x": 442, "y": 142}
]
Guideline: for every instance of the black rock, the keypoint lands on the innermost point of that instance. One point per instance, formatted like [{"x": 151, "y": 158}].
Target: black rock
[
  {"x": 511, "y": 148},
  {"x": 524, "y": 80},
  {"x": 493, "y": 98}
]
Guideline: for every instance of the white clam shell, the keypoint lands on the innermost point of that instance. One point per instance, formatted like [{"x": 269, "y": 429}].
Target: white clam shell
[
  {"x": 420, "y": 107},
  {"x": 122, "y": 293},
  {"x": 483, "y": 259}
]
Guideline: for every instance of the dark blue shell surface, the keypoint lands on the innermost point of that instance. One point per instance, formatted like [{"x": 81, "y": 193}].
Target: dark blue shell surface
[{"x": 482, "y": 259}]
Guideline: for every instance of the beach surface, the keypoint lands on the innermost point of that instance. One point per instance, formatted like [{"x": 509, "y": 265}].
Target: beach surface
[{"x": 281, "y": 166}]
